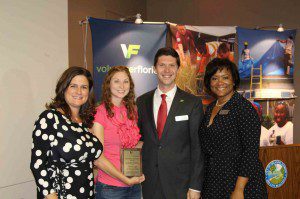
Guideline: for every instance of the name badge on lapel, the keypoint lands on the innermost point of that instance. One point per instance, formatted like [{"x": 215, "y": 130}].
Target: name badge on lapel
[
  {"x": 224, "y": 112},
  {"x": 181, "y": 118}
]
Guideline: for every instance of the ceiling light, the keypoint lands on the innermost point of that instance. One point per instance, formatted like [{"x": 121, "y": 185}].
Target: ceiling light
[
  {"x": 138, "y": 19},
  {"x": 280, "y": 28}
]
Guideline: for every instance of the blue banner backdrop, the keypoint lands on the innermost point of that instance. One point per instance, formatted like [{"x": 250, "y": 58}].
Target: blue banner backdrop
[
  {"x": 266, "y": 48},
  {"x": 266, "y": 63},
  {"x": 118, "y": 43}
]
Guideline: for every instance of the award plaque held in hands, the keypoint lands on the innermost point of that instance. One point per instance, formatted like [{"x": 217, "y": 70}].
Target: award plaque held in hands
[{"x": 131, "y": 162}]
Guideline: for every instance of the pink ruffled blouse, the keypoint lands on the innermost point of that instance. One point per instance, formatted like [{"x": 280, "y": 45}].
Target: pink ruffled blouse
[{"x": 119, "y": 132}]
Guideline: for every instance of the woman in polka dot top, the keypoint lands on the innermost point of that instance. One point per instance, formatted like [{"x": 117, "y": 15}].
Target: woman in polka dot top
[
  {"x": 63, "y": 149},
  {"x": 230, "y": 138}
]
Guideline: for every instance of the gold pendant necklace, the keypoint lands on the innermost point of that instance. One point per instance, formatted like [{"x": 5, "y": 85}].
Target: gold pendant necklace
[{"x": 217, "y": 104}]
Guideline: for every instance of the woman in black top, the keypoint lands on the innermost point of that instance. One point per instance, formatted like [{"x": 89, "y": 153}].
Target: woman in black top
[
  {"x": 230, "y": 138},
  {"x": 63, "y": 149}
]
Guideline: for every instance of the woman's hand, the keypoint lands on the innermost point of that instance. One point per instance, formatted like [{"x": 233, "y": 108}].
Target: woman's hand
[
  {"x": 135, "y": 180},
  {"x": 51, "y": 196},
  {"x": 139, "y": 145},
  {"x": 240, "y": 185},
  {"x": 237, "y": 194},
  {"x": 191, "y": 194}
]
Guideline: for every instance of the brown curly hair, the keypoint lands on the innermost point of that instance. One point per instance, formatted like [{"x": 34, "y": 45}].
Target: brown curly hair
[
  {"x": 128, "y": 100},
  {"x": 87, "y": 110}
]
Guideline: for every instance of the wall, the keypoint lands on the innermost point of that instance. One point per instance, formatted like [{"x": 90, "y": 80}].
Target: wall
[
  {"x": 248, "y": 14},
  {"x": 105, "y": 9},
  {"x": 33, "y": 53}
]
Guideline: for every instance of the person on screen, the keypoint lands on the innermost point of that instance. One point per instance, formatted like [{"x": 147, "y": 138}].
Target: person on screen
[
  {"x": 229, "y": 136},
  {"x": 63, "y": 149},
  {"x": 282, "y": 131},
  {"x": 288, "y": 53},
  {"x": 203, "y": 53},
  {"x": 247, "y": 60},
  {"x": 185, "y": 43},
  {"x": 223, "y": 52},
  {"x": 115, "y": 125},
  {"x": 264, "y": 135},
  {"x": 169, "y": 120}
]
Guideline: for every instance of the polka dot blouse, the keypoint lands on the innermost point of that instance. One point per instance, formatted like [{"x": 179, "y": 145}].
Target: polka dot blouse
[
  {"x": 231, "y": 148},
  {"x": 62, "y": 157}
]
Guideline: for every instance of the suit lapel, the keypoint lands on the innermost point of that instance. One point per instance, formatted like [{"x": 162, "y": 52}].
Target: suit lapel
[
  {"x": 151, "y": 114},
  {"x": 172, "y": 113}
]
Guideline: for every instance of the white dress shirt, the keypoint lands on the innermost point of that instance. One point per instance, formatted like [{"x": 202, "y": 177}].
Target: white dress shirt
[
  {"x": 286, "y": 132},
  {"x": 264, "y": 137},
  {"x": 157, "y": 101}
]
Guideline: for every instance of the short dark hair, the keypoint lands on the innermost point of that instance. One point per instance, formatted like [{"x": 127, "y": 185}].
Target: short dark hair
[
  {"x": 223, "y": 48},
  {"x": 220, "y": 64},
  {"x": 87, "y": 110},
  {"x": 167, "y": 51}
]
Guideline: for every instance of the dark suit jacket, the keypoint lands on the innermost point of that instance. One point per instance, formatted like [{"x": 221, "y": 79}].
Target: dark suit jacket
[{"x": 177, "y": 156}]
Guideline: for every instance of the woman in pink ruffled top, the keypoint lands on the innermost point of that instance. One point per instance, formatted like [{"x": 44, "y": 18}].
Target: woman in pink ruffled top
[{"x": 115, "y": 125}]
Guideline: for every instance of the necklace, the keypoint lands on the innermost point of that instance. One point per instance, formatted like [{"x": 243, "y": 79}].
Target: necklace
[
  {"x": 217, "y": 104},
  {"x": 76, "y": 119}
]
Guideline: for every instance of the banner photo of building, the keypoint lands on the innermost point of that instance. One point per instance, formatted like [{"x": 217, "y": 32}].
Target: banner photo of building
[
  {"x": 120, "y": 43},
  {"x": 266, "y": 63},
  {"x": 196, "y": 46}
]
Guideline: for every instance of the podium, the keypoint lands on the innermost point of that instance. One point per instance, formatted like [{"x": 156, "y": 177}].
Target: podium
[{"x": 290, "y": 156}]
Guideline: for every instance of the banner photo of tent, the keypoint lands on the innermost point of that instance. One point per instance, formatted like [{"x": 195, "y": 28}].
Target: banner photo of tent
[
  {"x": 196, "y": 46},
  {"x": 266, "y": 63},
  {"x": 277, "y": 121},
  {"x": 118, "y": 43}
]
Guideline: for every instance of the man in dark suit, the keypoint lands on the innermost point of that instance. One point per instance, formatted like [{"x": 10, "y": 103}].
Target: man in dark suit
[{"x": 169, "y": 121}]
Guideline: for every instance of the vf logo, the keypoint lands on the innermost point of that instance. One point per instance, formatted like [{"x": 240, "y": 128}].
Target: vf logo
[{"x": 132, "y": 49}]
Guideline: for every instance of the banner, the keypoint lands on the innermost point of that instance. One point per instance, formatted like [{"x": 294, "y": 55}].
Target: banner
[
  {"x": 277, "y": 121},
  {"x": 266, "y": 67},
  {"x": 196, "y": 46},
  {"x": 266, "y": 63},
  {"x": 118, "y": 43}
]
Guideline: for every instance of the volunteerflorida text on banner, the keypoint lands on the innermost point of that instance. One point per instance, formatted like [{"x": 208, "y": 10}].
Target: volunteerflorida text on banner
[{"x": 118, "y": 43}]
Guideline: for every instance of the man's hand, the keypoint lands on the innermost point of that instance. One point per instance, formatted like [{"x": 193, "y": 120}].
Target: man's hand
[{"x": 191, "y": 194}]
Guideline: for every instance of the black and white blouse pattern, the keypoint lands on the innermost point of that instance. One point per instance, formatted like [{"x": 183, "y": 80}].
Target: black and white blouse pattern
[
  {"x": 62, "y": 157},
  {"x": 231, "y": 148}
]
